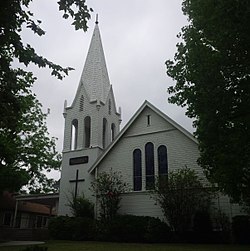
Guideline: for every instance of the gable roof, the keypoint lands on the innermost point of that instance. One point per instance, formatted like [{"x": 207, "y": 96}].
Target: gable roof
[{"x": 131, "y": 121}]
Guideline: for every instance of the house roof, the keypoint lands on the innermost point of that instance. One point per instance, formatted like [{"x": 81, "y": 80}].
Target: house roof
[
  {"x": 131, "y": 121},
  {"x": 28, "y": 203},
  {"x": 44, "y": 199}
]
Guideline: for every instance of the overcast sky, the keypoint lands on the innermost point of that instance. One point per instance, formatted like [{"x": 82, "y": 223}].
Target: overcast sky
[{"x": 138, "y": 36}]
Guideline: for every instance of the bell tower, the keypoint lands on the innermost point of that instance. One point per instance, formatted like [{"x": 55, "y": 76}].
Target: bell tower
[{"x": 91, "y": 124}]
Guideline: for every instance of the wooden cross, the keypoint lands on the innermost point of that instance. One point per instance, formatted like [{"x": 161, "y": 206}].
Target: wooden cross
[{"x": 76, "y": 180}]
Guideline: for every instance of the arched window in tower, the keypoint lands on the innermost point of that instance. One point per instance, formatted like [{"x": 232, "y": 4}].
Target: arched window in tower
[
  {"x": 137, "y": 170},
  {"x": 87, "y": 131},
  {"x": 74, "y": 134},
  {"x": 81, "y": 105},
  {"x": 104, "y": 133},
  {"x": 162, "y": 161},
  {"x": 109, "y": 106},
  {"x": 112, "y": 131},
  {"x": 150, "y": 168}
]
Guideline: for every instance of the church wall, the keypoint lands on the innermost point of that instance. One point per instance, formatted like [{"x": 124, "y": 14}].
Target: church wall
[
  {"x": 67, "y": 188},
  {"x": 182, "y": 152},
  {"x": 141, "y": 204}
]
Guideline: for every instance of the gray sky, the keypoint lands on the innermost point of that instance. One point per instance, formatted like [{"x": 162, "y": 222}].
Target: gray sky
[{"x": 138, "y": 36}]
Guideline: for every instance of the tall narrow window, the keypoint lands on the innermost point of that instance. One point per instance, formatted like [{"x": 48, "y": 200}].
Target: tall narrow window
[
  {"x": 81, "y": 103},
  {"x": 162, "y": 160},
  {"x": 137, "y": 168},
  {"x": 104, "y": 133},
  {"x": 148, "y": 120},
  {"x": 87, "y": 131},
  {"x": 150, "y": 169},
  {"x": 74, "y": 134},
  {"x": 109, "y": 107},
  {"x": 112, "y": 131}
]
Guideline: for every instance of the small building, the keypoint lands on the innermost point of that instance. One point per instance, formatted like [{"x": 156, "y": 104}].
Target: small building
[{"x": 25, "y": 213}]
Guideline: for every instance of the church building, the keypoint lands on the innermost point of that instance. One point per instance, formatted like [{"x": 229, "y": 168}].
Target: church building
[{"x": 150, "y": 144}]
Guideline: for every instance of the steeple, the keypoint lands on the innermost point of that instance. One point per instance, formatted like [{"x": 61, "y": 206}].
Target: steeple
[
  {"x": 94, "y": 78},
  {"x": 92, "y": 121}
]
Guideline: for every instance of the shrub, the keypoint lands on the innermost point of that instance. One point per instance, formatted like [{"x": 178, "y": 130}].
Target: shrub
[
  {"x": 180, "y": 195},
  {"x": 72, "y": 228},
  {"x": 131, "y": 228},
  {"x": 241, "y": 229},
  {"x": 202, "y": 223},
  {"x": 223, "y": 226},
  {"x": 82, "y": 228},
  {"x": 81, "y": 207},
  {"x": 59, "y": 227},
  {"x": 157, "y": 231},
  {"x": 202, "y": 227},
  {"x": 108, "y": 188}
]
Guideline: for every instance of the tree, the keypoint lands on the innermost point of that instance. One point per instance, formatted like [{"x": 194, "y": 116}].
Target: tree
[
  {"x": 181, "y": 194},
  {"x": 212, "y": 72},
  {"x": 25, "y": 147},
  {"x": 108, "y": 188}
]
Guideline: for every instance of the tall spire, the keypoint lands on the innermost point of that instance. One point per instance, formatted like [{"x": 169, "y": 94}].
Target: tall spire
[{"x": 94, "y": 77}]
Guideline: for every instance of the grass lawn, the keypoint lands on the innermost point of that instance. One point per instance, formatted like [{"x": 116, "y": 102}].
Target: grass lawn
[{"x": 101, "y": 246}]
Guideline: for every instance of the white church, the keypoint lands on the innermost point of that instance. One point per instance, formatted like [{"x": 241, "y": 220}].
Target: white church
[{"x": 150, "y": 144}]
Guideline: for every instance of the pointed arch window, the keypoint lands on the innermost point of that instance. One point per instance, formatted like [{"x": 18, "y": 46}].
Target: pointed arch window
[
  {"x": 150, "y": 169},
  {"x": 104, "y": 133},
  {"x": 74, "y": 134},
  {"x": 112, "y": 131},
  {"x": 137, "y": 170},
  {"x": 87, "y": 131},
  {"x": 81, "y": 105},
  {"x": 162, "y": 160}
]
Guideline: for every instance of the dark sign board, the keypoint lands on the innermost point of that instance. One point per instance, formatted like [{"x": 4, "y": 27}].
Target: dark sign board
[{"x": 79, "y": 160}]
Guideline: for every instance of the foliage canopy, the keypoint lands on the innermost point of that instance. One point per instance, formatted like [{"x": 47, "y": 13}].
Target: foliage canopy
[
  {"x": 26, "y": 150},
  {"x": 212, "y": 72}
]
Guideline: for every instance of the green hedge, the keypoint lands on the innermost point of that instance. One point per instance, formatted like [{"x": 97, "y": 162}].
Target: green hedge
[
  {"x": 130, "y": 228},
  {"x": 241, "y": 229},
  {"x": 71, "y": 228},
  {"x": 123, "y": 228}
]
